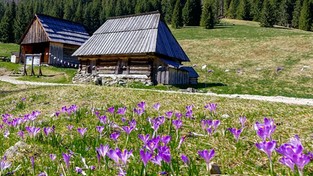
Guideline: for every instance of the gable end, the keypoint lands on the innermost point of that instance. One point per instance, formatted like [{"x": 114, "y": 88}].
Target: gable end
[{"x": 35, "y": 33}]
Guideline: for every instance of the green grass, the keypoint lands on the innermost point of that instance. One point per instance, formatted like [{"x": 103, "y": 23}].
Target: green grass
[
  {"x": 241, "y": 158},
  {"x": 7, "y": 48},
  {"x": 9, "y": 66},
  {"x": 245, "y": 57},
  {"x": 51, "y": 75}
]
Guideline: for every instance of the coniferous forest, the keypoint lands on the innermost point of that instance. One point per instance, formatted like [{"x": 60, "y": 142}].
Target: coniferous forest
[{"x": 15, "y": 15}]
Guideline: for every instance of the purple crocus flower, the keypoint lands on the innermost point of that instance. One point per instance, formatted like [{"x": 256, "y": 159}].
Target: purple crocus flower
[
  {"x": 142, "y": 105},
  {"x": 70, "y": 127},
  {"x": 156, "y": 106},
  {"x": 265, "y": 130},
  {"x": 178, "y": 115},
  {"x": 153, "y": 143},
  {"x": 169, "y": 114},
  {"x": 103, "y": 119},
  {"x": 287, "y": 162},
  {"x": 177, "y": 124},
  {"x": 66, "y": 158},
  {"x": 144, "y": 138},
  {"x": 32, "y": 131},
  {"x": 182, "y": 139},
  {"x": 206, "y": 155},
  {"x": 211, "y": 107},
  {"x": 113, "y": 155},
  {"x": 6, "y": 134},
  {"x": 32, "y": 160},
  {"x": 157, "y": 159},
  {"x": 102, "y": 150},
  {"x": 57, "y": 113},
  {"x": 165, "y": 139},
  {"x": 189, "y": 114},
  {"x": 145, "y": 156},
  {"x": 100, "y": 129},
  {"x": 185, "y": 159},
  {"x": 4, "y": 164},
  {"x": 127, "y": 129},
  {"x": 48, "y": 130},
  {"x": 235, "y": 132},
  {"x": 301, "y": 160},
  {"x": 121, "y": 111},
  {"x": 242, "y": 120},
  {"x": 42, "y": 174},
  {"x": 53, "y": 157},
  {"x": 138, "y": 111},
  {"x": 267, "y": 147},
  {"x": 115, "y": 136},
  {"x": 111, "y": 110},
  {"x": 80, "y": 171},
  {"x": 132, "y": 123},
  {"x": 82, "y": 131},
  {"x": 21, "y": 134},
  {"x": 124, "y": 155},
  {"x": 164, "y": 152}
]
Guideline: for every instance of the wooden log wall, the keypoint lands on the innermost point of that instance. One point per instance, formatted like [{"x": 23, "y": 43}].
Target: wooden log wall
[
  {"x": 68, "y": 50},
  {"x": 56, "y": 54},
  {"x": 35, "y": 34}
]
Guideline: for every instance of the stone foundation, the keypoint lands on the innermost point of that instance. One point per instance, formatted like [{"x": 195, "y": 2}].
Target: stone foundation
[{"x": 110, "y": 79}]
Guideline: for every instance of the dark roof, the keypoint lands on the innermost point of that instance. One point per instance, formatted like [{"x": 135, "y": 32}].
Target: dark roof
[
  {"x": 136, "y": 34},
  {"x": 62, "y": 31},
  {"x": 192, "y": 72}
]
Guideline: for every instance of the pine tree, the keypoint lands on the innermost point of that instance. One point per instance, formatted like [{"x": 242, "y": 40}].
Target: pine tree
[
  {"x": 68, "y": 10},
  {"x": 226, "y": 6},
  {"x": 167, "y": 10},
  {"x": 267, "y": 16},
  {"x": 305, "y": 16},
  {"x": 141, "y": 6},
  {"x": 5, "y": 27},
  {"x": 192, "y": 13},
  {"x": 78, "y": 16},
  {"x": 177, "y": 20},
  {"x": 231, "y": 13},
  {"x": 243, "y": 12},
  {"x": 155, "y": 5},
  {"x": 119, "y": 11},
  {"x": 257, "y": 9},
  {"x": 109, "y": 8},
  {"x": 20, "y": 22},
  {"x": 296, "y": 14},
  {"x": 283, "y": 16},
  {"x": 208, "y": 15},
  {"x": 1, "y": 9}
]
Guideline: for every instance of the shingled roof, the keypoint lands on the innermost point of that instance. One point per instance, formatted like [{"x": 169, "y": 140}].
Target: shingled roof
[
  {"x": 61, "y": 31},
  {"x": 136, "y": 34}
]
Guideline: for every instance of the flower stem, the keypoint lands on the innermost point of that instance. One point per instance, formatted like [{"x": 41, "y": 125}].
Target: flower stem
[
  {"x": 271, "y": 167},
  {"x": 126, "y": 141},
  {"x": 300, "y": 172}
]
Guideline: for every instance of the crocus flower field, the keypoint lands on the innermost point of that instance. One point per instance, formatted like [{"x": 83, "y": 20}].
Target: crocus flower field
[{"x": 151, "y": 138}]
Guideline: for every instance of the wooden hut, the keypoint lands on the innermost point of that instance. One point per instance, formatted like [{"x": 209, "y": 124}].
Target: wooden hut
[
  {"x": 56, "y": 39},
  {"x": 135, "y": 47}
]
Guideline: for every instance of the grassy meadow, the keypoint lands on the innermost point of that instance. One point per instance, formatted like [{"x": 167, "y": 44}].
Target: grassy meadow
[
  {"x": 6, "y": 49},
  {"x": 246, "y": 57},
  {"x": 241, "y": 158}
]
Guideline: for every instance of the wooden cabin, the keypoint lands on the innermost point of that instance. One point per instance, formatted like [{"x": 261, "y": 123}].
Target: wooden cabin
[
  {"x": 135, "y": 47},
  {"x": 55, "y": 39}
]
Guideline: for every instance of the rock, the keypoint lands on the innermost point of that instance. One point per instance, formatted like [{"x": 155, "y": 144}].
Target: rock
[
  {"x": 215, "y": 169},
  {"x": 225, "y": 116},
  {"x": 21, "y": 150}
]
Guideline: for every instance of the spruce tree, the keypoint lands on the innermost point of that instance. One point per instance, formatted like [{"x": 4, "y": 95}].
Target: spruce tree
[
  {"x": 78, "y": 16},
  {"x": 177, "y": 20},
  {"x": 305, "y": 16},
  {"x": 141, "y": 6},
  {"x": 68, "y": 10},
  {"x": 109, "y": 8},
  {"x": 257, "y": 9},
  {"x": 20, "y": 22},
  {"x": 243, "y": 12},
  {"x": 167, "y": 10},
  {"x": 5, "y": 27},
  {"x": 231, "y": 13},
  {"x": 267, "y": 16},
  {"x": 192, "y": 12},
  {"x": 296, "y": 14},
  {"x": 208, "y": 15},
  {"x": 119, "y": 11},
  {"x": 283, "y": 16}
]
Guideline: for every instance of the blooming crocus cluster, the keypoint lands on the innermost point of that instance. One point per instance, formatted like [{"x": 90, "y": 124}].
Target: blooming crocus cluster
[
  {"x": 121, "y": 111},
  {"x": 265, "y": 131},
  {"x": 103, "y": 119},
  {"x": 32, "y": 131},
  {"x": 235, "y": 131},
  {"x": 82, "y": 131},
  {"x": 155, "y": 149},
  {"x": 48, "y": 130},
  {"x": 210, "y": 125},
  {"x": 69, "y": 110},
  {"x": 189, "y": 113},
  {"x": 156, "y": 123},
  {"x": 141, "y": 108},
  {"x": 111, "y": 110},
  {"x": 293, "y": 154},
  {"x": 12, "y": 121}
]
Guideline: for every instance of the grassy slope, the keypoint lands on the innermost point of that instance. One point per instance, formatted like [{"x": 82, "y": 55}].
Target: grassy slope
[
  {"x": 6, "y": 49},
  {"x": 251, "y": 55},
  {"x": 240, "y": 158}
]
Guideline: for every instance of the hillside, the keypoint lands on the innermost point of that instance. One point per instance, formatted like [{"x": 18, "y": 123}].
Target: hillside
[{"x": 250, "y": 59}]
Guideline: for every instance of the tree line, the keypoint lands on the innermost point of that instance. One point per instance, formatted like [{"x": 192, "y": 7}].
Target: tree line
[{"x": 15, "y": 16}]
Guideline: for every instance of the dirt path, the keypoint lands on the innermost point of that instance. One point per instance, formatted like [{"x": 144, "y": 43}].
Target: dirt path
[{"x": 277, "y": 99}]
